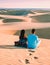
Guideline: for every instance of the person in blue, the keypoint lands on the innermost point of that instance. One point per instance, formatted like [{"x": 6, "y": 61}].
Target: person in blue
[{"x": 33, "y": 40}]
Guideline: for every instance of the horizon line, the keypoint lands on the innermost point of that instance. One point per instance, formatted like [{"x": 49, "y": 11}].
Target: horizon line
[{"x": 25, "y": 8}]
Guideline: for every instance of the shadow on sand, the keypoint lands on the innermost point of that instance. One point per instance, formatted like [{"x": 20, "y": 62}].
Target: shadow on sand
[{"x": 10, "y": 47}]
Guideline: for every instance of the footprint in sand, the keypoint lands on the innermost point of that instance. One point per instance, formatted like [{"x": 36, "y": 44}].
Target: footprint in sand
[
  {"x": 30, "y": 54},
  {"x": 35, "y": 57},
  {"x": 27, "y": 61}
]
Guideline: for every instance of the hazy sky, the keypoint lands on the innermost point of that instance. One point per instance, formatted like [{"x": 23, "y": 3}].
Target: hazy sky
[{"x": 24, "y": 3}]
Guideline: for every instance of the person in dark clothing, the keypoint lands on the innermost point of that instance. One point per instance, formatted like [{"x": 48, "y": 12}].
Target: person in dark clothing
[{"x": 23, "y": 38}]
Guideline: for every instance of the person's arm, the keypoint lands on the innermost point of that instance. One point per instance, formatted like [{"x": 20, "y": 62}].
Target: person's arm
[{"x": 37, "y": 39}]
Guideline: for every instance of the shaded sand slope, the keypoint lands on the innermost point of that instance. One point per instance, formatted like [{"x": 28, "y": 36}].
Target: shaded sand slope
[{"x": 21, "y": 56}]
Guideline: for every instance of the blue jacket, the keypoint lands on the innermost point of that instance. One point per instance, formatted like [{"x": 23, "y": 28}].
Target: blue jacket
[{"x": 32, "y": 41}]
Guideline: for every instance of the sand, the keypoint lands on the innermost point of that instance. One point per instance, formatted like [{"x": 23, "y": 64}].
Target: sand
[
  {"x": 26, "y": 24},
  {"x": 11, "y": 55}
]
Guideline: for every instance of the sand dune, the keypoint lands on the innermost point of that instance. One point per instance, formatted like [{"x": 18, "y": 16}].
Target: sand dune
[
  {"x": 24, "y": 25},
  {"x": 10, "y": 55},
  {"x": 10, "y": 28},
  {"x": 11, "y": 16},
  {"x": 37, "y": 14}
]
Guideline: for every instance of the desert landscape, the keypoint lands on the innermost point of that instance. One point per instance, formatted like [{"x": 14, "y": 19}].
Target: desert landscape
[{"x": 11, "y": 22}]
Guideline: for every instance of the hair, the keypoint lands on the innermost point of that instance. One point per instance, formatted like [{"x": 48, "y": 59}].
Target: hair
[
  {"x": 22, "y": 34},
  {"x": 33, "y": 30}
]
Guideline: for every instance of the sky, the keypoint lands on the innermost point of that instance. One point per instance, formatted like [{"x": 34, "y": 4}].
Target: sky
[{"x": 24, "y": 3}]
